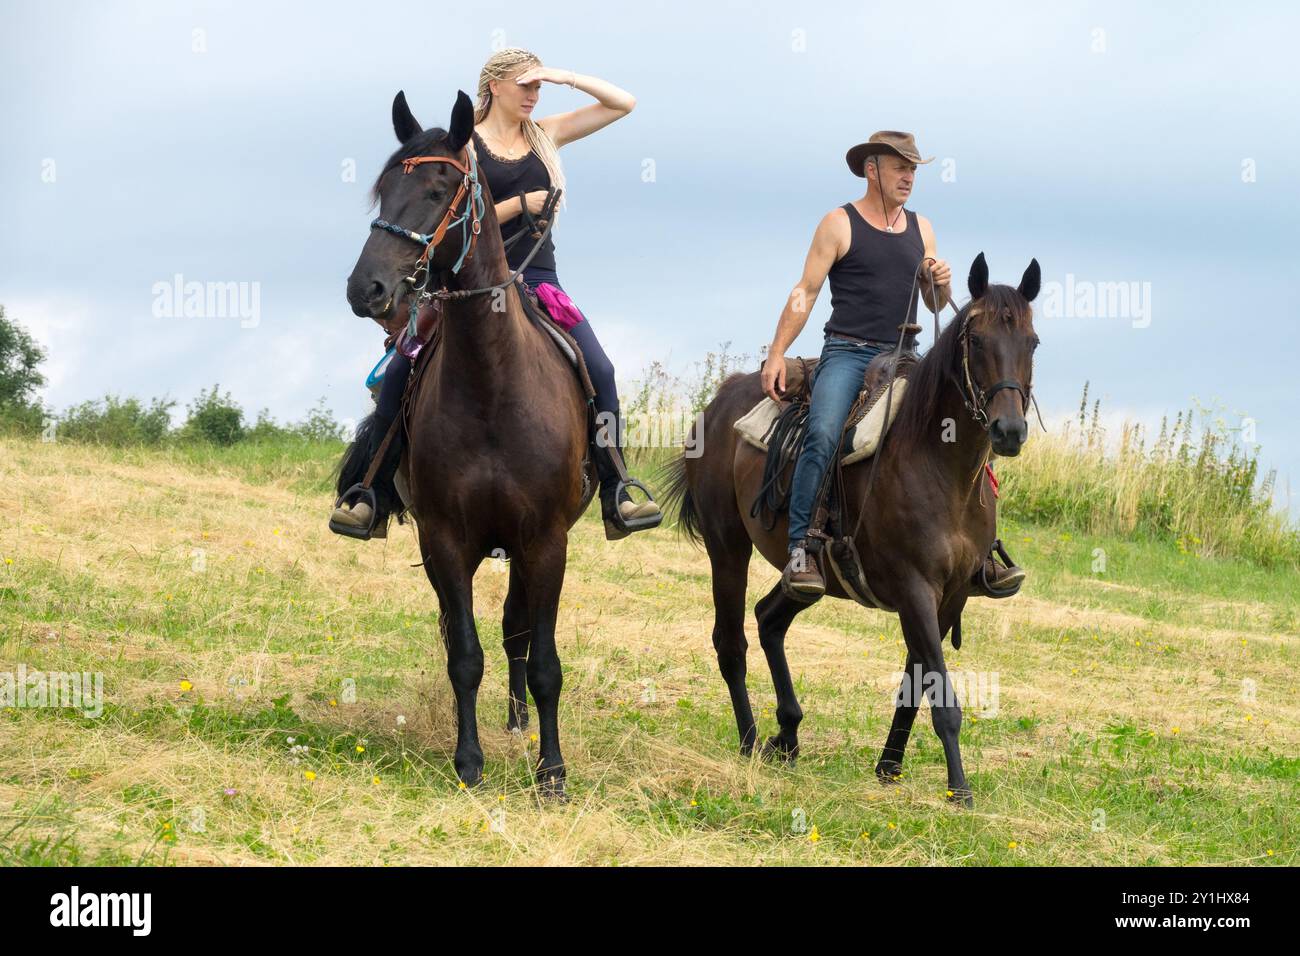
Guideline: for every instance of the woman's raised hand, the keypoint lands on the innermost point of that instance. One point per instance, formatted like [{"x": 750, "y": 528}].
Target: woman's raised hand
[{"x": 546, "y": 74}]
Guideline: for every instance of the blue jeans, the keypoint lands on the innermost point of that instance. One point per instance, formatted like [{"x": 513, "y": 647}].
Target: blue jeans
[{"x": 837, "y": 380}]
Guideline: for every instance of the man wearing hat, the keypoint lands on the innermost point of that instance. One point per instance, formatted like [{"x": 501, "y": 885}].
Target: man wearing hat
[{"x": 869, "y": 249}]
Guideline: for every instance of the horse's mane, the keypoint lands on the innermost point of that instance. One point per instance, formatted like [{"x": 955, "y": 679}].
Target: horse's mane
[
  {"x": 917, "y": 418},
  {"x": 421, "y": 144}
]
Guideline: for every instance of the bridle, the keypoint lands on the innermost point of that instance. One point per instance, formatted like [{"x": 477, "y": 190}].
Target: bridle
[
  {"x": 977, "y": 399},
  {"x": 470, "y": 222}
]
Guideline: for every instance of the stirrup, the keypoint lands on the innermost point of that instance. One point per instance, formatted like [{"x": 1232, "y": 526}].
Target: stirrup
[
  {"x": 636, "y": 524},
  {"x": 1008, "y": 564},
  {"x": 356, "y": 493}
]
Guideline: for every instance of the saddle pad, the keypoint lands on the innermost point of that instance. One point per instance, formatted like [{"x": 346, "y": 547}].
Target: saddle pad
[{"x": 755, "y": 424}]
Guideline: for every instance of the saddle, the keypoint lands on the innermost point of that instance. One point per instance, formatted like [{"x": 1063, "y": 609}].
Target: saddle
[{"x": 778, "y": 428}]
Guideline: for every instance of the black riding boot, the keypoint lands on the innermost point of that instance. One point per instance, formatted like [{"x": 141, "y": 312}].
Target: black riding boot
[{"x": 621, "y": 514}]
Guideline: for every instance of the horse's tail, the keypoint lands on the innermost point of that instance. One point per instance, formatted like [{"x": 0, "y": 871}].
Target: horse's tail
[{"x": 678, "y": 494}]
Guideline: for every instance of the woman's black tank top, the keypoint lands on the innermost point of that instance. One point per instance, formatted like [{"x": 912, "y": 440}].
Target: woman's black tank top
[
  {"x": 872, "y": 283},
  {"x": 509, "y": 177}
]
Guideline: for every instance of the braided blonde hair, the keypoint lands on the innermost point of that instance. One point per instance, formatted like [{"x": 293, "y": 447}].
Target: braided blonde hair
[{"x": 500, "y": 65}]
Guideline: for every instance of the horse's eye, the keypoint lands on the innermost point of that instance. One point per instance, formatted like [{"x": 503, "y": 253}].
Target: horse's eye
[
  {"x": 1033, "y": 344},
  {"x": 976, "y": 342}
]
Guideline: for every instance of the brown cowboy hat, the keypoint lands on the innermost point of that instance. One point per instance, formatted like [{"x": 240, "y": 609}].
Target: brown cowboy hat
[{"x": 902, "y": 145}]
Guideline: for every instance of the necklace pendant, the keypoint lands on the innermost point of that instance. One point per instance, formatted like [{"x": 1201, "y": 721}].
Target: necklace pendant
[{"x": 889, "y": 229}]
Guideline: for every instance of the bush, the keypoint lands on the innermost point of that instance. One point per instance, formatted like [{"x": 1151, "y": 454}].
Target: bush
[
  {"x": 320, "y": 425},
  {"x": 1196, "y": 487},
  {"x": 266, "y": 430},
  {"x": 116, "y": 421},
  {"x": 214, "y": 418}
]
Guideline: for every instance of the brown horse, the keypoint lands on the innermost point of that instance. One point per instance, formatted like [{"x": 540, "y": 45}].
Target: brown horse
[
  {"x": 924, "y": 529},
  {"x": 498, "y": 439}
]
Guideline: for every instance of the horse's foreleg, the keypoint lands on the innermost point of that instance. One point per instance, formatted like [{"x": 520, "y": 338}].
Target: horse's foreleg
[
  {"x": 543, "y": 576},
  {"x": 906, "y": 704},
  {"x": 514, "y": 638},
  {"x": 775, "y": 612},
  {"x": 454, "y": 584},
  {"x": 919, "y": 615}
]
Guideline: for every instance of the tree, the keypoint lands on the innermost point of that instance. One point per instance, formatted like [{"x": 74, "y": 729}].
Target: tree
[{"x": 19, "y": 356}]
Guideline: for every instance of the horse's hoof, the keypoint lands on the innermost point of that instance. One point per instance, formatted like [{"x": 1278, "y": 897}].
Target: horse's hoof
[
  {"x": 889, "y": 771},
  {"x": 962, "y": 798},
  {"x": 517, "y": 725},
  {"x": 551, "y": 786},
  {"x": 774, "y": 748},
  {"x": 470, "y": 776}
]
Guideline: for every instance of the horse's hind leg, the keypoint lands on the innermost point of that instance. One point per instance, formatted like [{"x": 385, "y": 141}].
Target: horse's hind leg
[
  {"x": 542, "y": 568},
  {"x": 906, "y": 703},
  {"x": 775, "y": 612},
  {"x": 514, "y": 638},
  {"x": 730, "y": 563}
]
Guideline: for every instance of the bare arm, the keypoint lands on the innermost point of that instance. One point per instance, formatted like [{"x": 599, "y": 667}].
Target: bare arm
[
  {"x": 508, "y": 209},
  {"x": 612, "y": 103},
  {"x": 828, "y": 244},
  {"x": 941, "y": 271}
]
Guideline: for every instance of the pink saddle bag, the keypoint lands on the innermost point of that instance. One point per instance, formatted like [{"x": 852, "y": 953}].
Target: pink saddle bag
[{"x": 558, "y": 305}]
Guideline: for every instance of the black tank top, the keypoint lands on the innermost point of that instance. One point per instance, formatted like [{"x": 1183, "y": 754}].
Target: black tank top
[
  {"x": 871, "y": 283},
  {"x": 509, "y": 177}
]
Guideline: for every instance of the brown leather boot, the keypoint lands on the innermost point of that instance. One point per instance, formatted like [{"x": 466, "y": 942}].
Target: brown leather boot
[
  {"x": 802, "y": 578},
  {"x": 997, "y": 579}
]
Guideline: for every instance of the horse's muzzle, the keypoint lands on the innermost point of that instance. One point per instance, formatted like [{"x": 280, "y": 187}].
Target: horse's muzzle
[
  {"x": 1007, "y": 434},
  {"x": 369, "y": 298}
]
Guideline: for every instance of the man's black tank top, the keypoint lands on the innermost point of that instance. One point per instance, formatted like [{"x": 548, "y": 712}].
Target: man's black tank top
[
  {"x": 872, "y": 282},
  {"x": 509, "y": 177}
]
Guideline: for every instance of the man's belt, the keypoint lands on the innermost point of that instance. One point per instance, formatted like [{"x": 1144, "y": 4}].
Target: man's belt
[{"x": 861, "y": 341}]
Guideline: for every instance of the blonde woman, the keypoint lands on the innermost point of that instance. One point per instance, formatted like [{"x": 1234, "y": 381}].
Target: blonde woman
[{"x": 519, "y": 157}]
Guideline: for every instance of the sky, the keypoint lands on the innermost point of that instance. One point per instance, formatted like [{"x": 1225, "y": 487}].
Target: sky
[{"x": 1147, "y": 156}]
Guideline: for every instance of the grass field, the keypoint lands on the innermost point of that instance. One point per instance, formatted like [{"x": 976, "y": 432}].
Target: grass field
[{"x": 276, "y": 694}]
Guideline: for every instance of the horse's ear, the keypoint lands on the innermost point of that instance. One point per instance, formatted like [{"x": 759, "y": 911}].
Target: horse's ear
[
  {"x": 404, "y": 124},
  {"x": 462, "y": 122},
  {"x": 978, "y": 281},
  {"x": 1031, "y": 282}
]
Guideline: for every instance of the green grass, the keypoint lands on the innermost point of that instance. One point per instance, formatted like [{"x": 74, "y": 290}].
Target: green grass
[{"x": 1146, "y": 713}]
